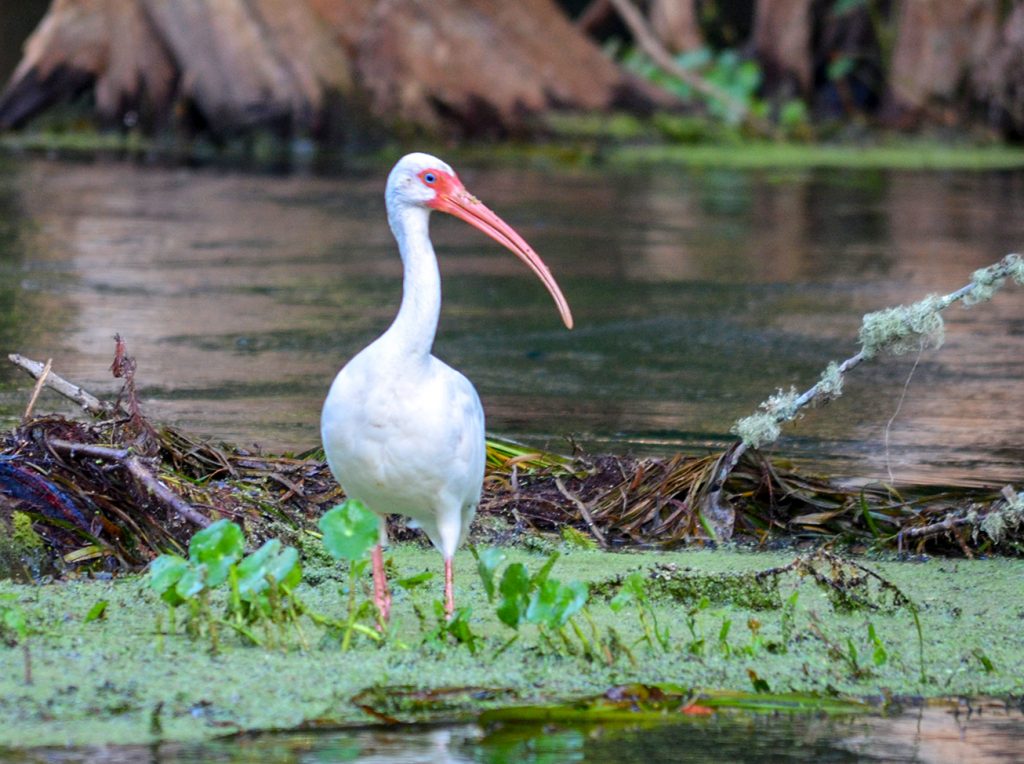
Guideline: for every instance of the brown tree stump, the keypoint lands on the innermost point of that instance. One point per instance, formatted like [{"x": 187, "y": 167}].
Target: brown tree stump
[
  {"x": 675, "y": 24},
  {"x": 451, "y": 66},
  {"x": 782, "y": 41},
  {"x": 937, "y": 45},
  {"x": 999, "y": 79}
]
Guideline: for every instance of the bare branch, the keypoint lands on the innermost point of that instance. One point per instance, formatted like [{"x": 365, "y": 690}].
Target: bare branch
[
  {"x": 649, "y": 44},
  {"x": 983, "y": 285},
  {"x": 37, "y": 389},
  {"x": 55, "y": 382}
]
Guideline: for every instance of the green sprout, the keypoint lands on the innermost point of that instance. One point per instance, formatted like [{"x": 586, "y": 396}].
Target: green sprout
[
  {"x": 261, "y": 585},
  {"x": 350, "y": 531},
  {"x": 551, "y": 605},
  {"x": 634, "y": 589}
]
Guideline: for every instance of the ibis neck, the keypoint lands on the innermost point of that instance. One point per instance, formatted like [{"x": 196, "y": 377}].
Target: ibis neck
[{"x": 413, "y": 329}]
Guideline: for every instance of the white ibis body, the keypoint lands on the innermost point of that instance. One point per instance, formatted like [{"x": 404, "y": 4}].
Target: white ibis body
[{"x": 403, "y": 432}]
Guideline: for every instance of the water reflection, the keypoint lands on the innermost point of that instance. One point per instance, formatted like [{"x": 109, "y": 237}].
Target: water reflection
[
  {"x": 929, "y": 735},
  {"x": 696, "y": 295}
]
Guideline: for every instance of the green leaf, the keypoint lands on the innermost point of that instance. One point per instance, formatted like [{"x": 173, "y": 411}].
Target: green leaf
[
  {"x": 413, "y": 582},
  {"x": 14, "y": 620},
  {"x": 285, "y": 568},
  {"x": 879, "y": 655},
  {"x": 793, "y": 114},
  {"x": 986, "y": 662},
  {"x": 192, "y": 581},
  {"x": 633, "y": 588},
  {"x": 97, "y": 612},
  {"x": 487, "y": 563},
  {"x": 217, "y": 547},
  {"x": 697, "y": 58},
  {"x": 748, "y": 78},
  {"x": 350, "y": 530},
  {"x": 554, "y": 603},
  {"x": 620, "y": 600},
  {"x": 574, "y": 538},
  {"x": 542, "y": 575},
  {"x": 281, "y": 563},
  {"x": 839, "y": 68},
  {"x": 459, "y": 628},
  {"x": 515, "y": 589},
  {"x": 165, "y": 572}
]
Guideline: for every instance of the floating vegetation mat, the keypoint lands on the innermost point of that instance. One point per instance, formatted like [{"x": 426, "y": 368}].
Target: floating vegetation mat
[{"x": 112, "y": 491}]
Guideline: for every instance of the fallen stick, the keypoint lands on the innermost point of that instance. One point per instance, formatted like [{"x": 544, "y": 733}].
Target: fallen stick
[
  {"x": 37, "y": 389},
  {"x": 58, "y": 384},
  {"x": 138, "y": 470}
]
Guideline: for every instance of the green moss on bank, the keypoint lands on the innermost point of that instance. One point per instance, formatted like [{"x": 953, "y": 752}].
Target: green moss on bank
[
  {"x": 909, "y": 156},
  {"x": 23, "y": 553},
  {"x": 115, "y": 680},
  {"x": 620, "y": 141}
]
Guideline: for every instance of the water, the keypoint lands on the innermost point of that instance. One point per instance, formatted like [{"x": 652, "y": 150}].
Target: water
[
  {"x": 696, "y": 294},
  {"x": 930, "y": 735}
]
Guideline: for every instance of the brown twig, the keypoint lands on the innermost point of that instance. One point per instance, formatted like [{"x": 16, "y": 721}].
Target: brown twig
[
  {"x": 135, "y": 467},
  {"x": 69, "y": 390},
  {"x": 948, "y": 525},
  {"x": 584, "y": 511},
  {"x": 37, "y": 389}
]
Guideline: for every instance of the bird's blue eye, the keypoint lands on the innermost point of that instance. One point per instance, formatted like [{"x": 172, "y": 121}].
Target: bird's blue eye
[{"x": 429, "y": 177}]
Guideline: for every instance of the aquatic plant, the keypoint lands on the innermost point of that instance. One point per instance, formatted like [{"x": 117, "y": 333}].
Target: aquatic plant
[
  {"x": 547, "y": 603},
  {"x": 635, "y": 591},
  {"x": 261, "y": 585},
  {"x": 349, "y": 532}
]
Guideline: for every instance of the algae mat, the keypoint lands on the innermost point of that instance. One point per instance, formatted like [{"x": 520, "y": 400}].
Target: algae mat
[{"x": 115, "y": 679}]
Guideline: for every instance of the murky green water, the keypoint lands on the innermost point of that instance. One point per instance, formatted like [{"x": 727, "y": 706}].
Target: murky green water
[
  {"x": 936, "y": 735},
  {"x": 696, "y": 295}
]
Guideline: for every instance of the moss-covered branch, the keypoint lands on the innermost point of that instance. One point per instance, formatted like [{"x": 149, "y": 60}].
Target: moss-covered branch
[{"x": 895, "y": 331}]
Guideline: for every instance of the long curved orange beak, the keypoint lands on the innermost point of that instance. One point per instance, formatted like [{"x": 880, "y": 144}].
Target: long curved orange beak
[{"x": 453, "y": 198}]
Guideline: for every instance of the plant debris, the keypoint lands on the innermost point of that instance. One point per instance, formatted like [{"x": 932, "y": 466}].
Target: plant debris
[{"x": 116, "y": 491}]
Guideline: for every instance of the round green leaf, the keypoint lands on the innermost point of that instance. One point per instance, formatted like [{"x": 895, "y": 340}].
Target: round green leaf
[
  {"x": 487, "y": 563},
  {"x": 515, "y": 590},
  {"x": 554, "y": 603},
  {"x": 350, "y": 529},
  {"x": 272, "y": 559},
  {"x": 165, "y": 571},
  {"x": 192, "y": 581},
  {"x": 217, "y": 547}
]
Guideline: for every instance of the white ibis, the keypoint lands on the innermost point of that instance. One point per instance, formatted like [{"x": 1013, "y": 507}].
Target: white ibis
[{"x": 402, "y": 431}]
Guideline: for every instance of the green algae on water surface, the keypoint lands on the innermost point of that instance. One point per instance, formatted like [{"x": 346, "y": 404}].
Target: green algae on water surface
[{"x": 117, "y": 680}]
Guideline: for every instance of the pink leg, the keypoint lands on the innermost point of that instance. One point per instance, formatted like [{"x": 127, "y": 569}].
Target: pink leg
[
  {"x": 449, "y": 589},
  {"x": 381, "y": 594}
]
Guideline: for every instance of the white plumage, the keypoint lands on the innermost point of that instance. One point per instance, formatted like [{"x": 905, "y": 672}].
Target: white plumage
[{"x": 402, "y": 431}]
